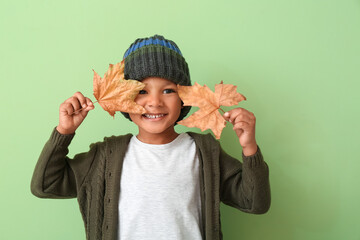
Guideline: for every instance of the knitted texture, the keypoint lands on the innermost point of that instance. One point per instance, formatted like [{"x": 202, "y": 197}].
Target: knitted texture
[
  {"x": 94, "y": 178},
  {"x": 91, "y": 196},
  {"x": 157, "y": 57}
]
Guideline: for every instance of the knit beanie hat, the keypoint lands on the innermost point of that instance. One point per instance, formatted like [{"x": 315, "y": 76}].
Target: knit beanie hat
[{"x": 156, "y": 57}]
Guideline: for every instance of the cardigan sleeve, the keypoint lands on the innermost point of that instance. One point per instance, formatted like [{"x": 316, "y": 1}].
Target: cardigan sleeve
[
  {"x": 56, "y": 175},
  {"x": 245, "y": 186}
]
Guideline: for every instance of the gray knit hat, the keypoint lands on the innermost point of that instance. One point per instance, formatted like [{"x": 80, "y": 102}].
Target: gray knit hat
[{"x": 156, "y": 57}]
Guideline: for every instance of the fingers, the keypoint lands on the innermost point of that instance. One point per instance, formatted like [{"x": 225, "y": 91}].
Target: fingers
[
  {"x": 76, "y": 104},
  {"x": 238, "y": 115},
  {"x": 68, "y": 107},
  {"x": 72, "y": 112},
  {"x": 244, "y": 125},
  {"x": 72, "y": 105},
  {"x": 242, "y": 120},
  {"x": 88, "y": 105},
  {"x": 80, "y": 97}
]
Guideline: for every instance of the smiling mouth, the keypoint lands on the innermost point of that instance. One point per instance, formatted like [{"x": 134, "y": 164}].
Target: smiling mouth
[{"x": 153, "y": 116}]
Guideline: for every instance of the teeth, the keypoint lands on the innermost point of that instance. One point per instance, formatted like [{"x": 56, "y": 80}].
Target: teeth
[{"x": 154, "y": 115}]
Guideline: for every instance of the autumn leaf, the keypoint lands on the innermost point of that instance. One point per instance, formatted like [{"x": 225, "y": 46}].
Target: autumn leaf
[
  {"x": 114, "y": 93},
  {"x": 208, "y": 116}
]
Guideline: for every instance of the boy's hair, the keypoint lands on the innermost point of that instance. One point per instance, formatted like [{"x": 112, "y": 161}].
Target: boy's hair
[{"x": 156, "y": 57}]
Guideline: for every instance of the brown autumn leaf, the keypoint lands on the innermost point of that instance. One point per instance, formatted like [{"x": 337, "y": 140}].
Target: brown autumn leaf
[
  {"x": 114, "y": 93},
  {"x": 208, "y": 116}
]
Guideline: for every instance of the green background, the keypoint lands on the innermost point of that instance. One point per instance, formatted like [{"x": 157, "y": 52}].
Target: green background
[{"x": 297, "y": 62}]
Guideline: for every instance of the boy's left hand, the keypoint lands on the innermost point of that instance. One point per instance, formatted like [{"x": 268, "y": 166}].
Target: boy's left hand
[{"x": 244, "y": 125}]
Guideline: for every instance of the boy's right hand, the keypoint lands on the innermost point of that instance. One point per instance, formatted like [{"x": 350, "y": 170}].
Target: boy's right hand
[{"x": 70, "y": 115}]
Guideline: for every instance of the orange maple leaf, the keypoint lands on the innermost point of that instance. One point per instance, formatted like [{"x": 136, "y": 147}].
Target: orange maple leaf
[
  {"x": 208, "y": 116},
  {"x": 114, "y": 93}
]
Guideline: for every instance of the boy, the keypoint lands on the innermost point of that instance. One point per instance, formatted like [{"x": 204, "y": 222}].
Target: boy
[{"x": 158, "y": 184}]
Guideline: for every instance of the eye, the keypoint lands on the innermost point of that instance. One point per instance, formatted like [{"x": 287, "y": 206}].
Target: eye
[
  {"x": 142, "y": 92},
  {"x": 167, "y": 91}
]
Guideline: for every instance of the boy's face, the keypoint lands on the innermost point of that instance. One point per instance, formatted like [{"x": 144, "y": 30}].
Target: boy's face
[{"x": 163, "y": 106}]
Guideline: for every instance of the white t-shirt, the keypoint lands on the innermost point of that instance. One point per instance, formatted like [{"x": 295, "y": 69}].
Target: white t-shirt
[{"x": 160, "y": 191}]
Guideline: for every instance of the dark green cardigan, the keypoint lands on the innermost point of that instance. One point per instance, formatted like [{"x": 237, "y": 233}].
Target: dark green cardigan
[{"x": 94, "y": 178}]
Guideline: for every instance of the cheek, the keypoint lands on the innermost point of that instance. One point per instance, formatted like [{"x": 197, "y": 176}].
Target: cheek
[
  {"x": 134, "y": 117},
  {"x": 139, "y": 100},
  {"x": 175, "y": 100},
  {"x": 178, "y": 105},
  {"x": 131, "y": 116}
]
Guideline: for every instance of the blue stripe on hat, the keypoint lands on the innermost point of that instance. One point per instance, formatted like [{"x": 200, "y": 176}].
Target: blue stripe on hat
[{"x": 151, "y": 41}]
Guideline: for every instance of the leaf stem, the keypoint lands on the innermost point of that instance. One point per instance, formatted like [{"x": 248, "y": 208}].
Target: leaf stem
[{"x": 222, "y": 110}]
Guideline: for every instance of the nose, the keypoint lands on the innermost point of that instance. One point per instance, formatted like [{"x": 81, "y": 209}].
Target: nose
[{"x": 154, "y": 100}]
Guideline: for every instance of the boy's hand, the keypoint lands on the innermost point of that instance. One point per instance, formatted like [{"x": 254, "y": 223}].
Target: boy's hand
[
  {"x": 244, "y": 125},
  {"x": 70, "y": 115}
]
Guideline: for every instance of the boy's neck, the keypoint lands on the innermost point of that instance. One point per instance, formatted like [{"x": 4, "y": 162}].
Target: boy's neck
[{"x": 160, "y": 138}]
